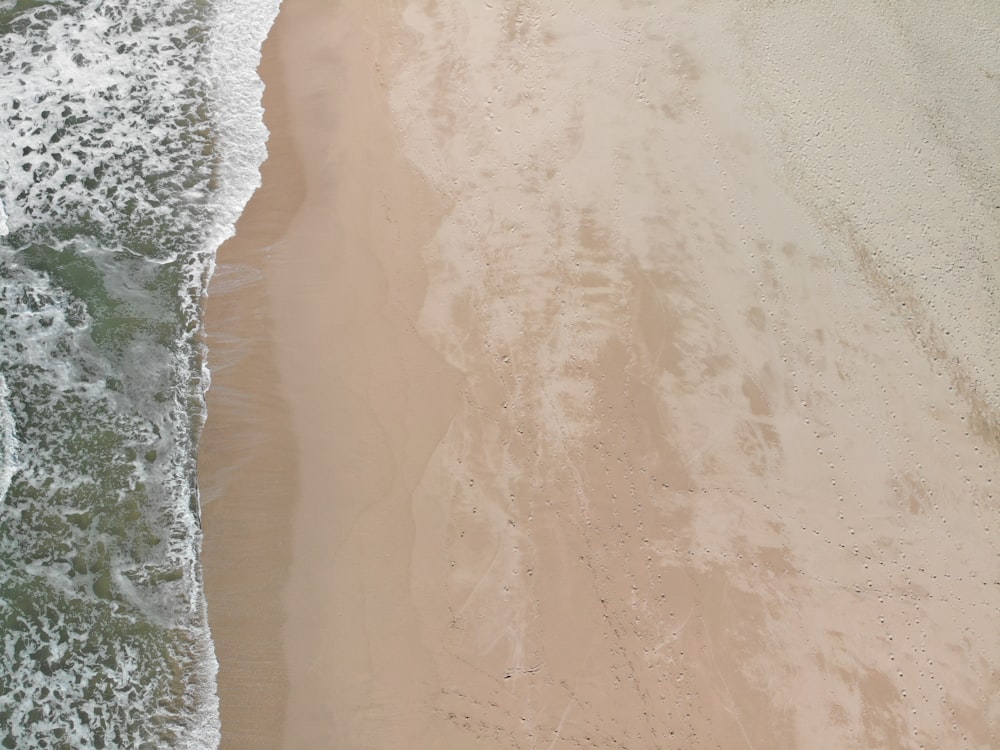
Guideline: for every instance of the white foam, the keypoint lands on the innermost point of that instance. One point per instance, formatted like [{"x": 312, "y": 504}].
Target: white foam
[
  {"x": 8, "y": 441},
  {"x": 4, "y": 229},
  {"x": 239, "y": 31},
  {"x": 102, "y": 100}
]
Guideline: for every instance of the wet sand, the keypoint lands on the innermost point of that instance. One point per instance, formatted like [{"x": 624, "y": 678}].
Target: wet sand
[
  {"x": 611, "y": 376},
  {"x": 247, "y": 456}
]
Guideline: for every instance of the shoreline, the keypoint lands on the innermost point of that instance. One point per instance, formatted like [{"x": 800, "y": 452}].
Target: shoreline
[{"x": 247, "y": 464}]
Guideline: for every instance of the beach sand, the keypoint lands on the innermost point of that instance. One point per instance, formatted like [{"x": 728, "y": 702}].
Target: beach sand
[{"x": 612, "y": 374}]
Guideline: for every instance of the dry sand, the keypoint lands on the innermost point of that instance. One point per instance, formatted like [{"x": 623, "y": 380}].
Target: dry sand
[{"x": 612, "y": 374}]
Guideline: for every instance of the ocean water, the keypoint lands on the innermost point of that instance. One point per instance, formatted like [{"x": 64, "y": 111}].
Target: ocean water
[{"x": 131, "y": 141}]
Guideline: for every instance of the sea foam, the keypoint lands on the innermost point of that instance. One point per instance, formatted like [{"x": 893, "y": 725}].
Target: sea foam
[{"x": 134, "y": 141}]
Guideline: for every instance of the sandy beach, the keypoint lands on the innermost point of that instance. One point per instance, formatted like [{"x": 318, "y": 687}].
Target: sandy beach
[{"x": 612, "y": 375}]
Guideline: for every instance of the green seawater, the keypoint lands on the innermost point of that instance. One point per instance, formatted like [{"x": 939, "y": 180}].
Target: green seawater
[{"x": 109, "y": 181}]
